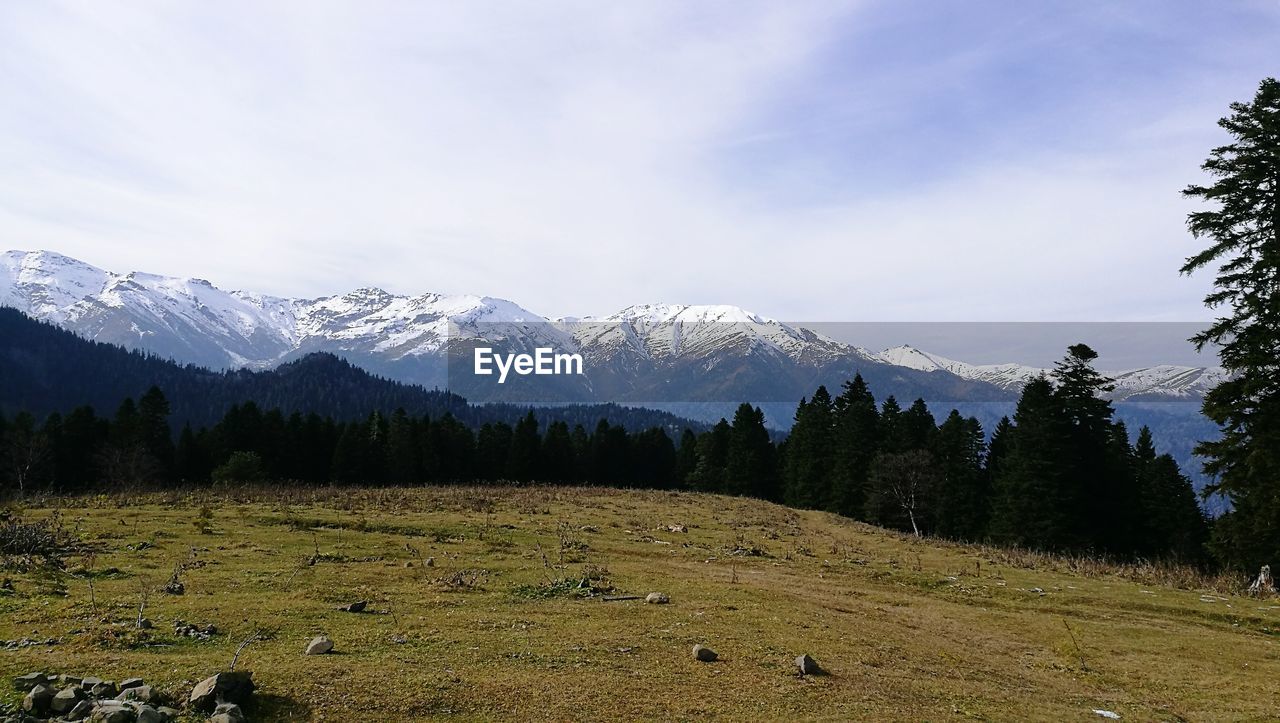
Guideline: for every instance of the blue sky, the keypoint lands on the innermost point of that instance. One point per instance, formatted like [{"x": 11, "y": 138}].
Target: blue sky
[{"x": 926, "y": 161}]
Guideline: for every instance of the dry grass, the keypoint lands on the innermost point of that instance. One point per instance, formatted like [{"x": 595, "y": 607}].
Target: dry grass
[{"x": 510, "y": 621}]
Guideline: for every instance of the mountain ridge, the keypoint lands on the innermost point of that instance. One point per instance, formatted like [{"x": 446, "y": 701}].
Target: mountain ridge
[{"x": 643, "y": 353}]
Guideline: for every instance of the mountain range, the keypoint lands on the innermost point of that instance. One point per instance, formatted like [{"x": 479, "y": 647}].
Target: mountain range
[{"x": 651, "y": 353}]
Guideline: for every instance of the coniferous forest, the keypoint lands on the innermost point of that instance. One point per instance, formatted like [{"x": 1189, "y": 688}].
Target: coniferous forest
[{"x": 1061, "y": 475}]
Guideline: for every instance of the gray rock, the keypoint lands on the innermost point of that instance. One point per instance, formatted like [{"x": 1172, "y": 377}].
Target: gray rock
[
  {"x": 145, "y": 624},
  {"x": 355, "y": 607},
  {"x": 81, "y": 710},
  {"x": 38, "y": 699},
  {"x": 168, "y": 713},
  {"x": 147, "y": 714},
  {"x": 66, "y": 699},
  {"x": 704, "y": 654},
  {"x": 24, "y": 683},
  {"x": 228, "y": 713},
  {"x": 319, "y": 646},
  {"x": 88, "y": 683},
  {"x": 105, "y": 689},
  {"x": 112, "y": 712},
  {"x": 234, "y": 687},
  {"x": 141, "y": 693},
  {"x": 657, "y": 598},
  {"x": 128, "y": 683},
  {"x": 808, "y": 666},
  {"x": 65, "y": 679}
]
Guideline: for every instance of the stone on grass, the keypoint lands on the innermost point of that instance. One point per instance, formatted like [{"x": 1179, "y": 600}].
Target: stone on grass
[
  {"x": 228, "y": 713},
  {"x": 81, "y": 710},
  {"x": 24, "y": 683},
  {"x": 104, "y": 689},
  {"x": 128, "y": 683},
  {"x": 169, "y": 713},
  {"x": 319, "y": 645},
  {"x": 355, "y": 607},
  {"x": 38, "y": 699},
  {"x": 66, "y": 699},
  {"x": 87, "y": 684},
  {"x": 808, "y": 666},
  {"x": 704, "y": 654},
  {"x": 657, "y": 598},
  {"x": 65, "y": 679},
  {"x": 232, "y": 686},
  {"x": 147, "y": 714},
  {"x": 145, "y": 624},
  {"x": 109, "y": 711},
  {"x": 141, "y": 693}
]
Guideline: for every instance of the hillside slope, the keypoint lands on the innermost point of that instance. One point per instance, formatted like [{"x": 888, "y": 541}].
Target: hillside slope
[{"x": 908, "y": 629}]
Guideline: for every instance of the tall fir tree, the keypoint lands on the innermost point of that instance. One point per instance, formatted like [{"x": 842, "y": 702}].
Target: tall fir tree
[
  {"x": 1243, "y": 228},
  {"x": 856, "y": 438},
  {"x": 807, "y": 481}
]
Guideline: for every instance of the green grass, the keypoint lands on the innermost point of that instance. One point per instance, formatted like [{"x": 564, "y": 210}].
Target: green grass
[{"x": 511, "y": 620}]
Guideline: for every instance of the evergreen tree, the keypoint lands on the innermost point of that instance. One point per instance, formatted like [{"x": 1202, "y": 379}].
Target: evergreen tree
[
  {"x": 1034, "y": 499},
  {"x": 524, "y": 459},
  {"x": 653, "y": 459},
  {"x": 403, "y": 451},
  {"x": 686, "y": 459},
  {"x": 154, "y": 431},
  {"x": 807, "y": 471},
  {"x": 856, "y": 438},
  {"x": 493, "y": 445},
  {"x": 750, "y": 468},
  {"x": 962, "y": 494},
  {"x": 713, "y": 457},
  {"x": 557, "y": 454},
  {"x": 1243, "y": 228}
]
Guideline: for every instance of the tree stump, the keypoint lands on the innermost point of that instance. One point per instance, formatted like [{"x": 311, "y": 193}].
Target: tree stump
[{"x": 1264, "y": 584}]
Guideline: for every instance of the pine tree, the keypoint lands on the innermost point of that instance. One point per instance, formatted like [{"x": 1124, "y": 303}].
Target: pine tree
[
  {"x": 807, "y": 470},
  {"x": 713, "y": 456},
  {"x": 962, "y": 494},
  {"x": 856, "y": 439},
  {"x": 686, "y": 459},
  {"x": 750, "y": 468},
  {"x": 557, "y": 454},
  {"x": 1090, "y": 467},
  {"x": 1034, "y": 500},
  {"x": 154, "y": 431},
  {"x": 1243, "y": 228},
  {"x": 524, "y": 460}
]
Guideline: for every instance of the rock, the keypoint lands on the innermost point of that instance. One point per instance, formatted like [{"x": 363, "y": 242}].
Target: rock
[
  {"x": 319, "y": 646},
  {"x": 38, "y": 699},
  {"x": 140, "y": 693},
  {"x": 109, "y": 711},
  {"x": 88, "y": 683},
  {"x": 808, "y": 666},
  {"x": 704, "y": 654},
  {"x": 657, "y": 598},
  {"x": 66, "y": 699},
  {"x": 228, "y": 713},
  {"x": 355, "y": 607},
  {"x": 104, "y": 689},
  {"x": 232, "y": 686},
  {"x": 81, "y": 710},
  {"x": 144, "y": 624},
  {"x": 168, "y": 713},
  {"x": 128, "y": 683},
  {"x": 147, "y": 714},
  {"x": 677, "y": 528},
  {"x": 24, "y": 683},
  {"x": 431, "y": 562},
  {"x": 65, "y": 679}
]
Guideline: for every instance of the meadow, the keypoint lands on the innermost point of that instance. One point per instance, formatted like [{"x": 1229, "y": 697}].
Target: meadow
[{"x": 519, "y": 603}]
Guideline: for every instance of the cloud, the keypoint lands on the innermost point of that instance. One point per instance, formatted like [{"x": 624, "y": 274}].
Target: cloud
[{"x": 578, "y": 158}]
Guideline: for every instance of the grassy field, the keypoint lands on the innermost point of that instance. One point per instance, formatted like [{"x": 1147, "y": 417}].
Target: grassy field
[{"x": 503, "y": 626}]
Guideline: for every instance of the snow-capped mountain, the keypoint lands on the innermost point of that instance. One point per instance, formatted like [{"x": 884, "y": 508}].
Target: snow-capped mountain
[
  {"x": 645, "y": 353},
  {"x": 1164, "y": 381}
]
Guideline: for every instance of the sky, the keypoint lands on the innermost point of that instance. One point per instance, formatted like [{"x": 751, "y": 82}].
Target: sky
[{"x": 819, "y": 161}]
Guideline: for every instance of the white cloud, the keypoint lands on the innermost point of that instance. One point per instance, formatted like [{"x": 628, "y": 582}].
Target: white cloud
[{"x": 570, "y": 156}]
